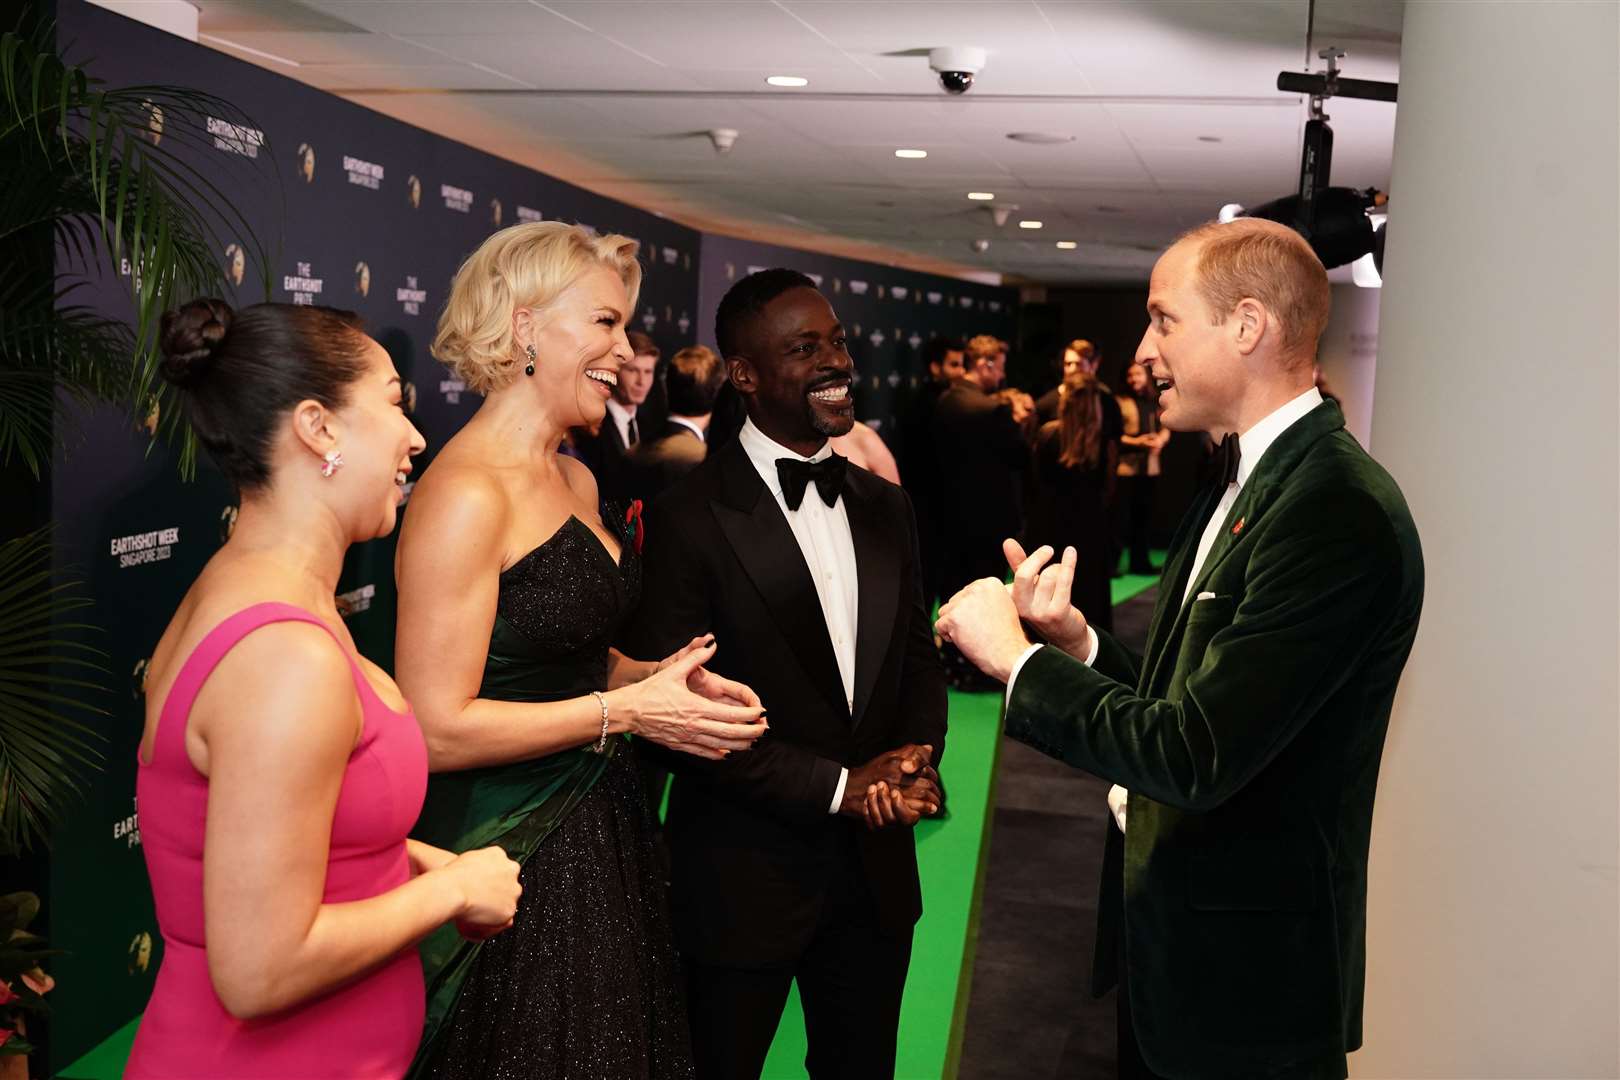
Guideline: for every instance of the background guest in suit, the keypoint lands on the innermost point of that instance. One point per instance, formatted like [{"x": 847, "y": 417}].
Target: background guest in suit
[
  {"x": 1141, "y": 439},
  {"x": 977, "y": 445},
  {"x": 607, "y": 449},
  {"x": 693, "y": 381},
  {"x": 805, "y": 570},
  {"x": 1250, "y": 734},
  {"x": 1073, "y": 473},
  {"x": 918, "y": 464}
]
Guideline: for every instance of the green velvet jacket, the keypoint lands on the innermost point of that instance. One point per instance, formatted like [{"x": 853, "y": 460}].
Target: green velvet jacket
[{"x": 1249, "y": 737}]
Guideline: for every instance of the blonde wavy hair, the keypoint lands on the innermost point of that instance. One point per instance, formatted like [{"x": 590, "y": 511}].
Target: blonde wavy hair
[{"x": 524, "y": 265}]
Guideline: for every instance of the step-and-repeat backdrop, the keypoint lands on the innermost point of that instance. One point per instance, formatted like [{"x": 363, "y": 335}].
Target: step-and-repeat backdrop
[{"x": 358, "y": 211}]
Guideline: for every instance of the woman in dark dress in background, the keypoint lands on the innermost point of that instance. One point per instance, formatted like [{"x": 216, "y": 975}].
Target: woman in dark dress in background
[
  {"x": 1074, "y": 474},
  {"x": 512, "y": 585}
]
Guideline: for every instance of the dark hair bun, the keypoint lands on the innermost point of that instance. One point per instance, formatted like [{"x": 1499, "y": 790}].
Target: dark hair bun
[{"x": 191, "y": 339}]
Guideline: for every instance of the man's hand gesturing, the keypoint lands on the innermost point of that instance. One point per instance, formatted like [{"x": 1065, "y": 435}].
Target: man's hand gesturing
[{"x": 1041, "y": 595}]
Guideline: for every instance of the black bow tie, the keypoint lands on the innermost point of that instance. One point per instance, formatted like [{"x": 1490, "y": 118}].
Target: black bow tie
[
  {"x": 1227, "y": 455},
  {"x": 828, "y": 473}
]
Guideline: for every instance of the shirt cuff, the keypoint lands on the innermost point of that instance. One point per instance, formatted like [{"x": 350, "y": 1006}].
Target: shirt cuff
[
  {"x": 838, "y": 793},
  {"x": 1091, "y": 658}
]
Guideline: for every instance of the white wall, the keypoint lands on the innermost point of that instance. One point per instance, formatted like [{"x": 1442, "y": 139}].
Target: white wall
[
  {"x": 1348, "y": 355},
  {"x": 1494, "y": 899}
]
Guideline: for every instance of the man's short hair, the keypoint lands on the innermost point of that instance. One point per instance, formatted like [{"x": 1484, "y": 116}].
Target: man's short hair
[
  {"x": 1252, "y": 257},
  {"x": 934, "y": 350},
  {"x": 980, "y": 348},
  {"x": 745, "y": 300},
  {"x": 694, "y": 379},
  {"x": 643, "y": 345}
]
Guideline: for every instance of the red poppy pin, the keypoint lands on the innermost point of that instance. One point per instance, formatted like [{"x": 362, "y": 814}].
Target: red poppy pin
[
  {"x": 632, "y": 524},
  {"x": 1235, "y": 529}
]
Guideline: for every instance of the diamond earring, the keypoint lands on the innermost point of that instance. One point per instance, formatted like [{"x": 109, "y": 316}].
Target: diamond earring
[
  {"x": 528, "y": 369},
  {"x": 332, "y": 463}
]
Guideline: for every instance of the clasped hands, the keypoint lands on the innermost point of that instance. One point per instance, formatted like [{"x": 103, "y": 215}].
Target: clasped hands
[
  {"x": 985, "y": 620},
  {"x": 898, "y": 787}
]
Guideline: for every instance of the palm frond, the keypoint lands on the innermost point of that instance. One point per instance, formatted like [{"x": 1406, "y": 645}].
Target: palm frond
[
  {"x": 46, "y": 743},
  {"x": 110, "y": 192}
]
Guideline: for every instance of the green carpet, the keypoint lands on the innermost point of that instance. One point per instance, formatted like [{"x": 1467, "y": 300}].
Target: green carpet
[
  {"x": 106, "y": 1061},
  {"x": 1124, "y": 588}
]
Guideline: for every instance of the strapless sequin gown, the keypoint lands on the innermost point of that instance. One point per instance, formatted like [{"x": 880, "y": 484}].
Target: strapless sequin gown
[{"x": 586, "y": 983}]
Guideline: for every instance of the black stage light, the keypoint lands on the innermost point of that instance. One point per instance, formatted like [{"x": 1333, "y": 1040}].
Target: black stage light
[{"x": 1335, "y": 221}]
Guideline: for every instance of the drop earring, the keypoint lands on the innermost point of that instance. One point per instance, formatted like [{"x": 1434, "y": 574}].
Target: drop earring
[
  {"x": 528, "y": 369},
  {"x": 332, "y": 463}
]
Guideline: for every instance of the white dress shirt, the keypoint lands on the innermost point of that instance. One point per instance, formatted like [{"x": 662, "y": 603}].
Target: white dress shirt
[
  {"x": 693, "y": 428},
  {"x": 621, "y": 420},
  {"x": 1252, "y": 446},
  {"x": 829, "y": 552}
]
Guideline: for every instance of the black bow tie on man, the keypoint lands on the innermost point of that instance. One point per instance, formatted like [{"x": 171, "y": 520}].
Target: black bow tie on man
[{"x": 828, "y": 473}]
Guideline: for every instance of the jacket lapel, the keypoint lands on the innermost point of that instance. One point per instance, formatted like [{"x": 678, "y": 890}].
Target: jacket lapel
[
  {"x": 758, "y": 533},
  {"x": 1172, "y": 582},
  {"x": 1263, "y": 485},
  {"x": 877, "y": 580},
  {"x": 1258, "y": 494}
]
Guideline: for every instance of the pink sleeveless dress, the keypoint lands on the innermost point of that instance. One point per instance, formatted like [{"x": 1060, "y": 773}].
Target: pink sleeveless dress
[{"x": 366, "y": 1029}]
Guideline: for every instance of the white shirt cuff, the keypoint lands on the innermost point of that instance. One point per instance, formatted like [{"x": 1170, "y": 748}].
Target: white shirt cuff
[
  {"x": 1091, "y": 658},
  {"x": 838, "y": 794}
]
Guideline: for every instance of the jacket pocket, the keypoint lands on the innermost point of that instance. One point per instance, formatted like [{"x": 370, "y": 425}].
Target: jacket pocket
[{"x": 1205, "y": 618}]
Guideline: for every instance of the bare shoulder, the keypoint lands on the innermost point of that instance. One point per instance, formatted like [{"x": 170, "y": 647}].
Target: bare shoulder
[
  {"x": 457, "y": 500},
  {"x": 581, "y": 481},
  {"x": 286, "y": 690}
]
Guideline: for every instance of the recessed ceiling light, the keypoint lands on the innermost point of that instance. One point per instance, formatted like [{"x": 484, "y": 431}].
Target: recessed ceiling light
[
  {"x": 1029, "y": 223},
  {"x": 911, "y": 153},
  {"x": 981, "y": 196},
  {"x": 1209, "y": 138},
  {"x": 787, "y": 80},
  {"x": 1067, "y": 245},
  {"x": 1044, "y": 138}
]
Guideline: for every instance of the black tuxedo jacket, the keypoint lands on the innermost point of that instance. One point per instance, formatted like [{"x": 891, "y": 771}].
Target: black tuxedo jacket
[
  {"x": 609, "y": 459},
  {"x": 752, "y": 843},
  {"x": 660, "y": 461},
  {"x": 982, "y": 456}
]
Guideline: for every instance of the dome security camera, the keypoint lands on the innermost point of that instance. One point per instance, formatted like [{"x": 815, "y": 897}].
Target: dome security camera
[
  {"x": 956, "y": 65},
  {"x": 981, "y": 246},
  {"x": 723, "y": 139}
]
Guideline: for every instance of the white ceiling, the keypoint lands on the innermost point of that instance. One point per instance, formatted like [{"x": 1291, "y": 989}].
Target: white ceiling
[{"x": 613, "y": 95}]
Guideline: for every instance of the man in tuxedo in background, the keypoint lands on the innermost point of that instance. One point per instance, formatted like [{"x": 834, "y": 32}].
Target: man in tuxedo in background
[
  {"x": 919, "y": 466},
  {"x": 796, "y": 860},
  {"x": 1233, "y": 910},
  {"x": 980, "y": 448},
  {"x": 607, "y": 451},
  {"x": 692, "y": 381}
]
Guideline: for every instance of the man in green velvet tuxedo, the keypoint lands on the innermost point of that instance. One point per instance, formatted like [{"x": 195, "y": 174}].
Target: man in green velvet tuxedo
[{"x": 1234, "y": 902}]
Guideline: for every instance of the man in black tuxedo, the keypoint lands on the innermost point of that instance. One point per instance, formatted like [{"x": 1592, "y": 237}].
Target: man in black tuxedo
[
  {"x": 608, "y": 452},
  {"x": 919, "y": 466},
  {"x": 1234, "y": 902},
  {"x": 693, "y": 381},
  {"x": 795, "y": 860},
  {"x": 980, "y": 448}
]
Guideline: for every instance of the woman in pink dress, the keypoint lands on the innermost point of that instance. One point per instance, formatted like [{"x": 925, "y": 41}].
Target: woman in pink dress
[{"x": 280, "y": 770}]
